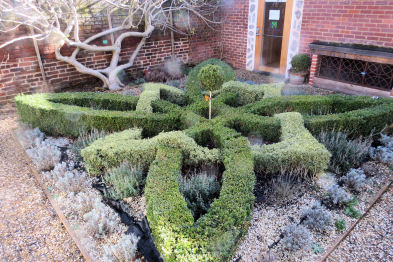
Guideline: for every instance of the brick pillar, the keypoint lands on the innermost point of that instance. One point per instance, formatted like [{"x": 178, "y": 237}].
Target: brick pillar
[{"x": 314, "y": 68}]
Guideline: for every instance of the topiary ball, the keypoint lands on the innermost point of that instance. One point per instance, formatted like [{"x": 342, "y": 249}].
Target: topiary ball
[
  {"x": 300, "y": 63},
  {"x": 211, "y": 77}
]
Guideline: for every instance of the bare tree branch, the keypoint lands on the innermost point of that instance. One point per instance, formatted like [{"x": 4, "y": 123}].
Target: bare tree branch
[{"x": 62, "y": 21}]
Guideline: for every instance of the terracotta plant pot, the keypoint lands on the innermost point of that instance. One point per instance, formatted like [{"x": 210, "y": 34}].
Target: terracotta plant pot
[{"x": 296, "y": 78}]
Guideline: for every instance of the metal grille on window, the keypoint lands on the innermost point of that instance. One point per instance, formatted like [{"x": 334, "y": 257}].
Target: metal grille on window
[{"x": 357, "y": 72}]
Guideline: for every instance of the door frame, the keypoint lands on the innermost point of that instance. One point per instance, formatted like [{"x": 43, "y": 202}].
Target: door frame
[{"x": 285, "y": 38}]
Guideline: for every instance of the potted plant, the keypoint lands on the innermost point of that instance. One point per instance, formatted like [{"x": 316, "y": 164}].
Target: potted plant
[
  {"x": 211, "y": 77},
  {"x": 300, "y": 69}
]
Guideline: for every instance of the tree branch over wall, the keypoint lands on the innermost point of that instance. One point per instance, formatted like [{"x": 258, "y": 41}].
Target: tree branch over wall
[{"x": 60, "y": 22}]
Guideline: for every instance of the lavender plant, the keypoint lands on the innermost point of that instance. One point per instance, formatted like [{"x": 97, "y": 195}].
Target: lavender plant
[
  {"x": 346, "y": 153},
  {"x": 84, "y": 140},
  {"x": 44, "y": 155},
  {"x": 338, "y": 195},
  {"x": 296, "y": 237},
  {"x": 383, "y": 153},
  {"x": 355, "y": 179},
  {"x": 317, "y": 217},
  {"x": 101, "y": 220},
  {"x": 123, "y": 251},
  {"x": 199, "y": 191},
  {"x": 124, "y": 181}
]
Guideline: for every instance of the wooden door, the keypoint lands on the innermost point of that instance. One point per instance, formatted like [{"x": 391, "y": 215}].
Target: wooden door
[{"x": 272, "y": 39}]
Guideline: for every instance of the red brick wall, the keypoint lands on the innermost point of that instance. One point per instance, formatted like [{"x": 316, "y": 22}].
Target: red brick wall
[
  {"x": 234, "y": 32},
  {"x": 368, "y": 22},
  {"x": 21, "y": 74}
]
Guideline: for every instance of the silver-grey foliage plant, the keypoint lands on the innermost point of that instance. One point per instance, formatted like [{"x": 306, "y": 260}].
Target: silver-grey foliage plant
[
  {"x": 84, "y": 140},
  {"x": 317, "y": 217},
  {"x": 296, "y": 237},
  {"x": 383, "y": 153},
  {"x": 124, "y": 181},
  {"x": 198, "y": 191},
  {"x": 44, "y": 155},
  {"x": 355, "y": 179},
  {"x": 346, "y": 153},
  {"x": 29, "y": 137},
  {"x": 338, "y": 195},
  {"x": 101, "y": 220},
  {"x": 123, "y": 251}
]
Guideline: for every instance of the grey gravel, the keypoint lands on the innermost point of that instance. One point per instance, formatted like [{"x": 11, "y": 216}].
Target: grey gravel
[
  {"x": 29, "y": 227},
  {"x": 372, "y": 238}
]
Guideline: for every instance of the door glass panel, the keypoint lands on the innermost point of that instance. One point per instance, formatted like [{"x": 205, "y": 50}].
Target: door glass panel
[{"x": 272, "y": 33}]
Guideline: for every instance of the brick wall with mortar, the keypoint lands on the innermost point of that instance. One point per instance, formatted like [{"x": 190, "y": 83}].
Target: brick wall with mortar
[
  {"x": 20, "y": 73},
  {"x": 366, "y": 22},
  {"x": 234, "y": 32}
]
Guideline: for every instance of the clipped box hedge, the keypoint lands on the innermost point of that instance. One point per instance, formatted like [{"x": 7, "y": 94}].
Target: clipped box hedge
[
  {"x": 71, "y": 113},
  {"x": 148, "y": 139},
  {"x": 111, "y": 150},
  {"x": 177, "y": 236},
  {"x": 155, "y": 91},
  {"x": 212, "y": 237},
  {"x": 357, "y": 115},
  {"x": 298, "y": 149},
  {"x": 247, "y": 94}
]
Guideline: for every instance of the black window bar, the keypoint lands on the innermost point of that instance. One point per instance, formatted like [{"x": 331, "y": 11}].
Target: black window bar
[{"x": 363, "y": 73}]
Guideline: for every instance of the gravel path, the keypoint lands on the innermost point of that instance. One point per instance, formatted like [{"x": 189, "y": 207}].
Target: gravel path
[
  {"x": 372, "y": 238},
  {"x": 29, "y": 227}
]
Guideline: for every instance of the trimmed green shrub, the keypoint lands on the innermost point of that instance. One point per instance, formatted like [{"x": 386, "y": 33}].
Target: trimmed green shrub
[
  {"x": 361, "y": 122},
  {"x": 128, "y": 145},
  {"x": 99, "y": 101},
  {"x": 71, "y": 113},
  {"x": 193, "y": 85},
  {"x": 247, "y": 94},
  {"x": 211, "y": 77},
  {"x": 300, "y": 63},
  {"x": 269, "y": 128},
  {"x": 154, "y": 91},
  {"x": 346, "y": 153},
  {"x": 213, "y": 236},
  {"x": 198, "y": 190},
  {"x": 124, "y": 181},
  {"x": 145, "y": 140},
  {"x": 298, "y": 148},
  {"x": 355, "y": 115}
]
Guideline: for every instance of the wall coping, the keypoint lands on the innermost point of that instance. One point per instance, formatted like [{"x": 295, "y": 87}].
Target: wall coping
[{"x": 360, "y": 53}]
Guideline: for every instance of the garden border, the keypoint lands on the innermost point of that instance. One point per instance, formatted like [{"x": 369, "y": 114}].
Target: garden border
[{"x": 85, "y": 254}]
